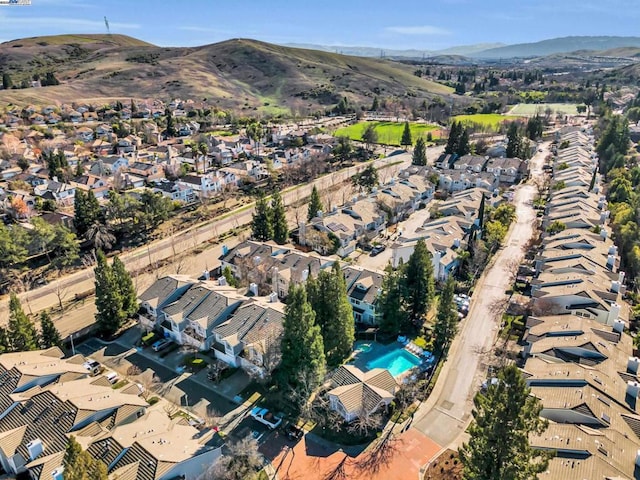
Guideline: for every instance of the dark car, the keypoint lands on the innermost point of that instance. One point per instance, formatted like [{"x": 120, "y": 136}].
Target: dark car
[
  {"x": 376, "y": 250},
  {"x": 294, "y": 433}
]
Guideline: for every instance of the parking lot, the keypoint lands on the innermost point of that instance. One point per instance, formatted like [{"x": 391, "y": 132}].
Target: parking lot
[{"x": 178, "y": 388}]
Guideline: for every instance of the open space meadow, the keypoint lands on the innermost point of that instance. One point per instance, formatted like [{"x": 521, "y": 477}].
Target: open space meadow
[
  {"x": 530, "y": 109},
  {"x": 389, "y": 133},
  {"x": 487, "y": 121}
]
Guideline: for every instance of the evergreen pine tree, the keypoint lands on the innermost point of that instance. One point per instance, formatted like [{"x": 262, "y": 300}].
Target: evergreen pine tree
[
  {"x": 418, "y": 283},
  {"x": 464, "y": 148},
  {"x": 446, "y": 325},
  {"x": 279, "y": 219},
  {"x": 327, "y": 295},
  {"x": 7, "y": 83},
  {"x": 375, "y": 106},
  {"x": 49, "y": 335},
  {"x": 80, "y": 465},
  {"x": 454, "y": 138},
  {"x": 390, "y": 307},
  {"x": 109, "y": 316},
  {"x": 419, "y": 156},
  {"x": 481, "y": 213},
  {"x": 315, "y": 204},
  {"x": 261, "y": 225},
  {"x": 406, "y": 140},
  {"x": 22, "y": 335},
  {"x": 171, "y": 128},
  {"x": 303, "y": 363},
  {"x": 126, "y": 288},
  {"x": 514, "y": 140},
  {"x": 504, "y": 418},
  {"x": 80, "y": 212}
]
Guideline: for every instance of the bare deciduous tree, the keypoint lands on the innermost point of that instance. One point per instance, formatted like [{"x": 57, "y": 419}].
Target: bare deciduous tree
[
  {"x": 242, "y": 462},
  {"x": 365, "y": 423}
]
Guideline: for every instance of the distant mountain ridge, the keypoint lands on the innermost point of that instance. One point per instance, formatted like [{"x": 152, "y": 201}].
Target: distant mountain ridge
[
  {"x": 463, "y": 50},
  {"x": 558, "y": 45}
]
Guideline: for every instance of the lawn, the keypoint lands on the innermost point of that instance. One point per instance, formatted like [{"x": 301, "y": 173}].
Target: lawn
[
  {"x": 530, "y": 109},
  {"x": 389, "y": 133},
  {"x": 487, "y": 120}
]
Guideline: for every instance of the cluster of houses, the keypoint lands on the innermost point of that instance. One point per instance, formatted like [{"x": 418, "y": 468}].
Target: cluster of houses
[
  {"x": 456, "y": 173},
  {"x": 139, "y": 157},
  {"x": 46, "y": 398},
  {"x": 577, "y": 358}
]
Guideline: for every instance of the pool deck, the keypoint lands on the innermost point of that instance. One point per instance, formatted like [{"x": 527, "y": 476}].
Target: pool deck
[{"x": 360, "y": 359}]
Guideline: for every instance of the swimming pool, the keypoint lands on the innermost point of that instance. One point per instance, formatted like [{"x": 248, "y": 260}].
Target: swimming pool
[{"x": 397, "y": 361}]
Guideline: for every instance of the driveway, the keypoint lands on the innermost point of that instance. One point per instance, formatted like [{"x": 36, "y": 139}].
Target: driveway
[
  {"x": 178, "y": 388},
  {"x": 447, "y": 412}
]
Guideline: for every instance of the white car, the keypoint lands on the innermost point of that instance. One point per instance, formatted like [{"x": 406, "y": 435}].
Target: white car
[
  {"x": 264, "y": 416},
  {"x": 112, "y": 377}
]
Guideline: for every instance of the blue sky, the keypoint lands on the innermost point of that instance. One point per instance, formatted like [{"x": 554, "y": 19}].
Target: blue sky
[{"x": 420, "y": 24}]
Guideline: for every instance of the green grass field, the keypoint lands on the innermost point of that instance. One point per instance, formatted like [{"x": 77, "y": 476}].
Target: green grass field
[
  {"x": 530, "y": 109},
  {"x": 389, "y": 133},
  {"x": 488, "y": 120}
]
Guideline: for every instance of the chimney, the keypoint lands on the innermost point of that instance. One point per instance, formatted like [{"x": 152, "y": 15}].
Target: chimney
[
  {"x": 273, "y": 297},
  {"x": 225, "y": 249},
  {"x": 618, "y": 326},
  {"x": 305, "y": 275},
  {"x": 615, "y": 286},
  {"x": 319, "y": 214},
  {"x": 621, "y": 277},
  {"x": 632, "y": 364},
  {"x": 35, "y": 448},
  {"x": 604, "y": 215},
  {"x": 456, "y": 243},
  {"x": 206, "y": 274},
  {"x": 253, "y": 288},
  {"x": 633, "y": 388},
  {"x": 611, "y": 261},
  {"x": 222, "y": 281},
  {"x": 602, "y": 202},
  {"x": 57, "y": 474},
  {"x": 613, "y": 250},
  {"x": 614, "y": 312},
  {"x": 603, "y": 233}
]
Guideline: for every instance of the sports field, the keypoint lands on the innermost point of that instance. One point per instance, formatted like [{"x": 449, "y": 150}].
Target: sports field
[
  {"x": 530, "y": 109},
  {"x": 488, "y": 120},
  {"x": 389, "y": 133}
]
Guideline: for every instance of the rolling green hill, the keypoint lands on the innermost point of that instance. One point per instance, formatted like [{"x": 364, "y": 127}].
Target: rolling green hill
[{"x": 239, "y": 73}]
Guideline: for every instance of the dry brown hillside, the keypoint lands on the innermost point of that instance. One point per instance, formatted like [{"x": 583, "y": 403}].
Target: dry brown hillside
[{"x": 243, "y": 74}]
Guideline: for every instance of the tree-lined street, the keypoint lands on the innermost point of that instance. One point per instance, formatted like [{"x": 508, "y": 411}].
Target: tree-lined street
[{"x": 447, "y": 412}]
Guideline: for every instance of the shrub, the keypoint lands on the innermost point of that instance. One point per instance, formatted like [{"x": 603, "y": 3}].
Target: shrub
[{"x": 153, "y": 400}]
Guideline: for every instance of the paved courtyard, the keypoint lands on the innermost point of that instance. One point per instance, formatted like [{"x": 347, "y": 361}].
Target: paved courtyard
[{"x": 310, "y": 460}]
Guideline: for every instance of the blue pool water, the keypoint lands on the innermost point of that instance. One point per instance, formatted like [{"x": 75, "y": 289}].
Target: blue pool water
[{"x": 396, "y": 361}]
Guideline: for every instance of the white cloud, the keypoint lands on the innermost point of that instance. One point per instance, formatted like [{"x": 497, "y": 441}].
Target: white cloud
[{"x": 418, "y": 30}]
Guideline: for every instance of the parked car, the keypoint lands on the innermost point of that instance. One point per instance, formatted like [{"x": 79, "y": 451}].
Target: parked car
[
  {"x": 294, "y": 433},
  {"x": 377, "y": 249},
  {"x": 94, "y": 368},
  {"x": 264, "y": 416},
  {"x": 112, "y": 377},
  {"x": 161, "y": 344}
]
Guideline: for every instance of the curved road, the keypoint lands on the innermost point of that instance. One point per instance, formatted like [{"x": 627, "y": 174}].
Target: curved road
[
  {"x": 82, "y": 281},
  {"x": 447, "y": 412}
]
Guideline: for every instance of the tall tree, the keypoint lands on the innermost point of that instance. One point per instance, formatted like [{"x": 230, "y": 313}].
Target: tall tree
[
  {"x": 315, "y": 204},
  {"x": 419, "y": 156},
  {"x": 7, "y": 83},
  {"x": 327, "y": 295},
  {"x": 367, "y": 178},
  {"x": 171, "y": 127},
  {"x": 87, "y": 211},
  {"x": 446, "y": 325},
  {"x": 100, "y": 237},
  {"x": 262, "y": 223},
  {"x": 255, "y": 132},
  {"x": 503, "y": 419},
  {"x": 49, "y": 334},
  {"x": 125, "y": 286},
  {"x": 454, "y": 138},
  {"x": 65, "y": 247},
  {"x": 279, "y": 219},
  {"x": 406, "y": 140},
  {"x": 109, "y": 302},
  {"x": 13, "y": 241},
  {"x": 303, "y": 362},
  {"x": 390, "y": 305},
  {"x": 21, "y": 333},
  {"x": 418, "y": 282},
  {"x": 514, "y": 140},
  {"x": 375, "y": 105},
  {"x": 80, "y": 465},
  {"x": 464, "y": 146},
  {"x": 369, "y": 135}
]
